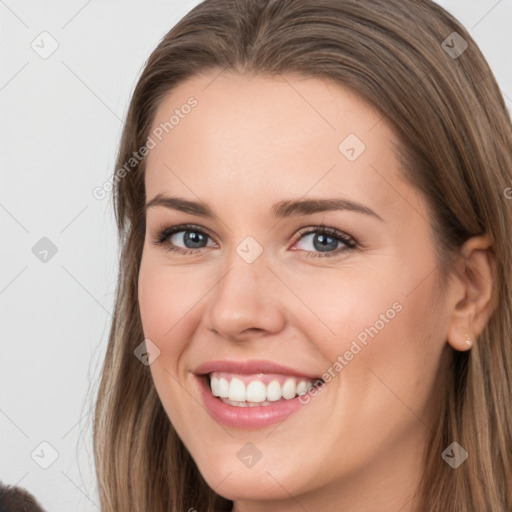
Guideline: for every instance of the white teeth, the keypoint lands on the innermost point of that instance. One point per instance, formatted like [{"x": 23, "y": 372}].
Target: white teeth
[
  {"x": 245, "y": 404},
  {"x": 223, "y": 388},
  {"x": 214, "y": 384},
  {"x": 273, "y": 391},
  {"x": 302, "y": 387},
  {"x": 237, "y": 390},
  {"x": 289, "y": 389},
  {"x": 256, "y": 392}
]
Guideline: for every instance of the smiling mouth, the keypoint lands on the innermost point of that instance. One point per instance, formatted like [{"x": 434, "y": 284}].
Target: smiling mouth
[{"x": 241, "y": 390}]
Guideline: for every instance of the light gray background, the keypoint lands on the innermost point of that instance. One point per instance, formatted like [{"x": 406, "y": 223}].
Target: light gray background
[{"x": 60, "y": 125}]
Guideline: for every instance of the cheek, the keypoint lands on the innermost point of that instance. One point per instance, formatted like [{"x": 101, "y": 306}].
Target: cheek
[
  {"x": 170, "y": 310},
  {"x": 401, "y": 343},
  {"x": 163, "y": 311},
  {"x": 166, "y": 302},
  {"x": 347, "y": 306},
  {"x": 377, "y": 324},
  {"x": 153, "y": 304}
]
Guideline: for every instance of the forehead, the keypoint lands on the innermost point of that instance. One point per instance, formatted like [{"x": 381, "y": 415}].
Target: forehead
[{"x": 272, "y": 137}]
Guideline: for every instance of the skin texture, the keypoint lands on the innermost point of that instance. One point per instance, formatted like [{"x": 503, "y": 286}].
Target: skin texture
[{"x": 249, "y": 143}]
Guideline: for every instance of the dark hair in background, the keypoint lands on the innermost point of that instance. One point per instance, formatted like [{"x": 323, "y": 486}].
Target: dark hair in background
[
  {"x": 456, "y": 148},
  {"x": 17, "y": 499}
]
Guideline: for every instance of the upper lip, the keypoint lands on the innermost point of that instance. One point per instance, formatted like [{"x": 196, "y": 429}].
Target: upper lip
[{"x": 250, "y": 367}]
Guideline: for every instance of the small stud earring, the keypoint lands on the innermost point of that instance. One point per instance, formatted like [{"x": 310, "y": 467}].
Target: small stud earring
[{"x": 468, "y": 341}]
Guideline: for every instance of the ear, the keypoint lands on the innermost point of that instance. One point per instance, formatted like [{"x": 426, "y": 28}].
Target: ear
[{"x": 472, "y": 292}]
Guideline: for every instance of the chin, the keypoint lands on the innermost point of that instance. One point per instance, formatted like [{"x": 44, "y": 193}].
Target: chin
[{"x": 271, "y": 480}]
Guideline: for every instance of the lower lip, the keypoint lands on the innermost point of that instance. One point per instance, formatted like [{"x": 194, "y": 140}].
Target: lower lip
[{"x": 246, "y": 417}]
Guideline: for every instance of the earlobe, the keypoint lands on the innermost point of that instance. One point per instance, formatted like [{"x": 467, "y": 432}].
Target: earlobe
[
  {"x": 474, "y": 298},
  {"x": 460, "y": 333}
]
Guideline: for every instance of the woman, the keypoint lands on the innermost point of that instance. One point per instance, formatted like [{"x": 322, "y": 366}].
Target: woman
[{"x": 313, "y": 305}]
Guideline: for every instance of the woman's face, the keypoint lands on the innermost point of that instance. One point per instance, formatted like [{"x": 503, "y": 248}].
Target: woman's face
[{"x": 259, "y": 299}]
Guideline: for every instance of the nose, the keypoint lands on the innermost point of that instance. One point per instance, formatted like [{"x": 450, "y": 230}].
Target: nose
[{"x": 246, "y": 302}]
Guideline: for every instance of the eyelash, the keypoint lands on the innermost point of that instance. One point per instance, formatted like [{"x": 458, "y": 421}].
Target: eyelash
[{"x": 163, "y": 235}]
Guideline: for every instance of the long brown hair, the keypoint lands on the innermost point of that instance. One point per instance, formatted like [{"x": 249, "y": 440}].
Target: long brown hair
[{"x": 456, "y": 148}]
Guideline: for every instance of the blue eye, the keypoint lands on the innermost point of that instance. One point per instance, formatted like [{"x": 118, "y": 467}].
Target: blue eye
[
  {"x": 189, "y": 235},
  {"x": 325, "y": 241}
]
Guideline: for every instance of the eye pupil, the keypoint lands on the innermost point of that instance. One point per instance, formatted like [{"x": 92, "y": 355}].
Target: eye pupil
[
  {"x": 196, "y": 239},
  {"x": 325, "y": 242}
]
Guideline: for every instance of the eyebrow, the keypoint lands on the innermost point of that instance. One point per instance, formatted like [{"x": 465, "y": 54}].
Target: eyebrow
[{"x": 282, "y": 209}]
